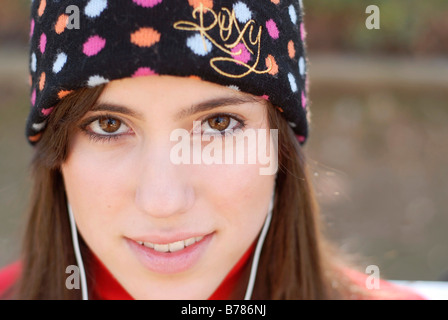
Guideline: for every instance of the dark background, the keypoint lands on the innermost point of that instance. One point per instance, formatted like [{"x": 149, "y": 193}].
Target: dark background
[{"x": 378, "y": 145}]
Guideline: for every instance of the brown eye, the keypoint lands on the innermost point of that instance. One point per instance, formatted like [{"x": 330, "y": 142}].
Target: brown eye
[
  {"x": 219, "y": 123},
  {"x": 108, "y": 124}
]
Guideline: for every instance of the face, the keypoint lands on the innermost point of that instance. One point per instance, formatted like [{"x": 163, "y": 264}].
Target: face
[{"x": 164, "y": 229}]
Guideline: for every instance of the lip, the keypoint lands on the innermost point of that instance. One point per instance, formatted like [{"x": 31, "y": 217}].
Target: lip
[{"x": 169, "y": 262}]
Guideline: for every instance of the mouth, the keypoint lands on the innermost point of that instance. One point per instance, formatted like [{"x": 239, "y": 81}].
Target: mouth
[
  {"x": 170, "y": 256},
  {"x": 171, "y": 247}
]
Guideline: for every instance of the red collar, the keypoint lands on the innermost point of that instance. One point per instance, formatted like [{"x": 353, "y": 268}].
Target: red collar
[{"x": 106, "y": 287}]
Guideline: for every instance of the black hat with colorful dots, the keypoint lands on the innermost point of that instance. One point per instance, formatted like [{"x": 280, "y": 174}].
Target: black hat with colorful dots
[{"x": 256, "y": 47}]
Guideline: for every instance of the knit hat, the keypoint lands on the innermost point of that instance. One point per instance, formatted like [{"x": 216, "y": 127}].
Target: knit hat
[{"x": 255, "y": 46}]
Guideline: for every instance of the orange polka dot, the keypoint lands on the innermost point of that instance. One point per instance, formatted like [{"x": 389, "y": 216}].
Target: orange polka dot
[
  {"x": 35, "y": 138},
  {"x": 280, "y": 109},
  {"x": 40, "y": 11},
  {"x": 270, "y": 61},
  {"x": 145, "y": 37},
  {"x": 63, "y": 93},
  {"x": 60, "y": 25},
  {"x": 195, "y": 77},
  {"x": 206, "y": 3},
  {"x": 291, "y": 49},
  {"x": 42, "y": 81},
  {"x": 275, "y": 1}
]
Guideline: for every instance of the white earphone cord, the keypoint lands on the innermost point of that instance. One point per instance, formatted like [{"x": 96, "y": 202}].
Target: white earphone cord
[
  {"x": 74, "y": 231},
  {"x": 258, "y": 248},
  {"x": 253, "y": 271}
]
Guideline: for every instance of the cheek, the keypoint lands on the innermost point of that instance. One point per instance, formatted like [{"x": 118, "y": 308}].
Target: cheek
[
  {"x": 238, "y": 197},
  {"x": 96, "y": 187},
  {"x": 239, "y": 193},
  {"x": 89, "y": 181}
]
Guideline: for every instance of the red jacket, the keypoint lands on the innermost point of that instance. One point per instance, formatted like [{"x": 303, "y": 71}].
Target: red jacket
[{"x": 108, "y": 288}]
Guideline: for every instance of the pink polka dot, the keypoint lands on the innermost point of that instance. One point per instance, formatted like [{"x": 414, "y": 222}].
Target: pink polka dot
[
  {"x": 143, "y": 71},
  {"x": 32, "y": 28},
  {"x": 302, "y": 32},
  {"x": 147, "y": 3},
  {"x": 272, "y": 29},
  {"x": 265, "y": 97},
  {"x": 300, "y": 138},
  {"x": 94, "y": 45},
  {"x": 303, "y": 101},
  {"x": 46, "y": 112},
  {"x": 43, "y": 42},
  {"x": 245, "y": 54},
  {"x": 33, "y": 97}
]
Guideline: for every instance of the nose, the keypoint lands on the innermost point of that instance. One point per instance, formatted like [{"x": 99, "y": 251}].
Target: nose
[{"x": 163, "y": 189}]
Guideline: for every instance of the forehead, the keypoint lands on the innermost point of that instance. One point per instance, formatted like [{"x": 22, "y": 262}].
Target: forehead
[
  {"x": 167, "y": 87},
  {"x": 172, "y": 94}
]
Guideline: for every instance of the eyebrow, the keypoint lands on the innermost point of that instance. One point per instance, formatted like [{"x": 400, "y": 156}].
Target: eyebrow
[
  {"x": 215, "y": 103},
  {"x": 117, "y": 108},
  {"x": 195, "y": 108}
]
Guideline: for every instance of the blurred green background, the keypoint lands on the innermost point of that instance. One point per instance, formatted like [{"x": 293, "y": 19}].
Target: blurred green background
[{"x": 378, "y": 145}]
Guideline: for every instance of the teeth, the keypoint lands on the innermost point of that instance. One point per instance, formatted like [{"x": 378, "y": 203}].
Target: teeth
[
  {"x": 176, "y": 246},
  {"x": 149, "y": 245},
  {"x": 162, "y": 247},
  {"x": 171, "y": 247},
  {"x": 189, "y": 242}
]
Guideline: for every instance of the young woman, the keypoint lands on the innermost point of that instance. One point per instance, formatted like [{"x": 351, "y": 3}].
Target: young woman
[{"x": 137, "y": 117}]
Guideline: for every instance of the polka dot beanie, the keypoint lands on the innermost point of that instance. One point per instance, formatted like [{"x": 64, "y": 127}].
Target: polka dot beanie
[{"x": 252, "y": 46}]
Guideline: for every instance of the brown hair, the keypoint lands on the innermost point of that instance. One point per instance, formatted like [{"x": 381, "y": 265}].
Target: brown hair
[{"x": 296, "y": 261}]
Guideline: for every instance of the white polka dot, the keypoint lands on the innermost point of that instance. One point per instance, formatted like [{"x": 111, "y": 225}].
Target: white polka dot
[
  {"x": 96, "y": 80},
  {"x": 302, "y": 66},
  {"x": 292, "y": 82},
  {"x": 199, "y": 45},
  {"x": 234, "y": 87},
  {"x": 94, "y": 8},
  {"x": 242, "y": 12},
  {"x": 293, "y": 14},
  {"x": 59, "y": 63},
  {"x": 301, "y": 4},
  {"x": 292, "y": 124},
  {"x": 39, "y": 126},
  {"x": 33, "y": 62}
]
